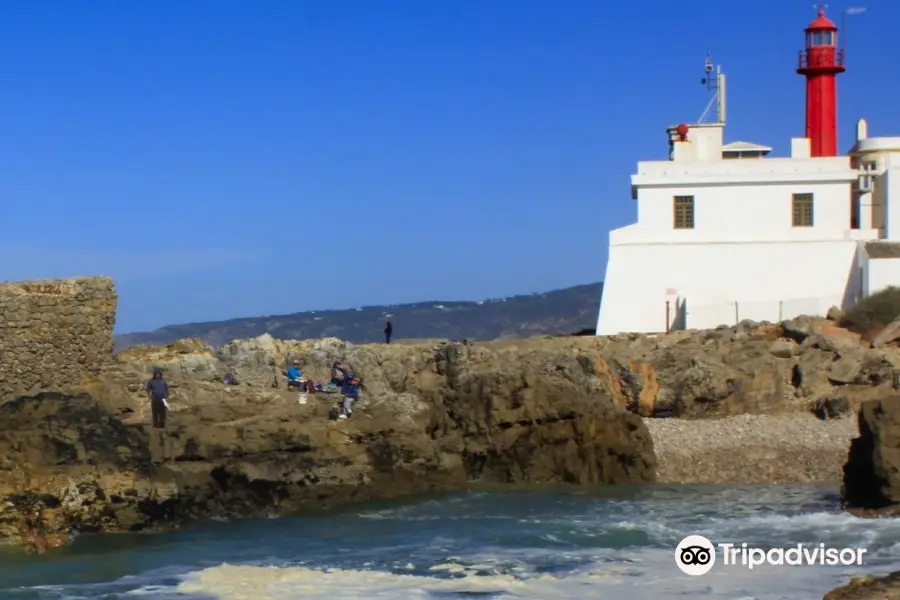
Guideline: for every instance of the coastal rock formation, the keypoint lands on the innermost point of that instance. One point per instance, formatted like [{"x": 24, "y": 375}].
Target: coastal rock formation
[
  {"x": 431, "y": 418},
  {"x": 868, "y": 588},
  {"x": 54, "y": 333},
  {"x": 805, "y": 364},
  {"x": 757, "y": 402},
  {"x": 78, "y": 455},
  {"x": 872, "y": 473}
]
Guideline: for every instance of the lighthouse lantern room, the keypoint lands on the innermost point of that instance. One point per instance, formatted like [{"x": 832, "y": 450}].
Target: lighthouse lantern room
[
  {"x": 726, "y": 232},
  {"x": 820, "y": 62}
]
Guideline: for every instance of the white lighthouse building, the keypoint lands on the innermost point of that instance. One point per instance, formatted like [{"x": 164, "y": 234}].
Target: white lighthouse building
[{"x": 725, "y": 232}]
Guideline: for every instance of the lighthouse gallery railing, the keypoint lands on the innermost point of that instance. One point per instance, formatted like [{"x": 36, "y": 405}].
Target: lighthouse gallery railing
[{"x": 803, "y": 61}]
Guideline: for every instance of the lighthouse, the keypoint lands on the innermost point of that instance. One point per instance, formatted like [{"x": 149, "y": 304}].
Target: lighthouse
[
  {"x": 725, "y": 232},
  {"x": 820, "y": 62}
]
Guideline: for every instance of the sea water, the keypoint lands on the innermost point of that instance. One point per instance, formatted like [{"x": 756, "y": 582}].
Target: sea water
[{"x": 510, "y": 543}]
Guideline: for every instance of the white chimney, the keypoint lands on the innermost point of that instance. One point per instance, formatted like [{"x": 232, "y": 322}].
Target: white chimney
[
  {"x": 862, "y": 130},
  {"x": 800, "y": 148}
]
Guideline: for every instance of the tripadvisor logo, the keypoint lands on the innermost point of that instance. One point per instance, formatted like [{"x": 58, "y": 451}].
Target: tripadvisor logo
[{"x": 696, "y": 555}]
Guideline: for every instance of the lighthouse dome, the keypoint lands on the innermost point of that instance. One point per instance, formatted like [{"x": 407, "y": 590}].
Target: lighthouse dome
[{"x": 822, "y": 23}]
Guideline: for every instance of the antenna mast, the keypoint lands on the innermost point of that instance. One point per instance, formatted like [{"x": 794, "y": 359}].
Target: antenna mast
[{"x": 715, "y": 82}]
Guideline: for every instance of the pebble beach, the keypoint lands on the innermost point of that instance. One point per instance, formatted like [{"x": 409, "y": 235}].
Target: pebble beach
[{"x": 788, "y": 448}]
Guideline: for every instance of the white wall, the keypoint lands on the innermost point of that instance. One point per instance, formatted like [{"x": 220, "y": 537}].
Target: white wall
[
  {"x": 780, "y": 169},
  {"x": 743, "y": 259},
  {"x": 741, "y": 213},
  {"x": 883, "y": 273},
  {"x": 885, "y": 153},
  {"x": 887, "y": 187},
  {"x": 862, "y": 261},
  {"x": 768, "y": 281}
]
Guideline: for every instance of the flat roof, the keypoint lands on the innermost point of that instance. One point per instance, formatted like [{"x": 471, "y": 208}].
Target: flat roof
[
  {"x": 881, "y": 249},
  {"x": 745, "y": 147}
]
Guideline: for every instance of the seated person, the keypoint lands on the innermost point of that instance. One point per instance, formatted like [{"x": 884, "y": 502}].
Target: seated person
[
  {"x": 350, "y": 392},
  {"x": 338, "y": 373},
  {"x": 294, "y": 375}
]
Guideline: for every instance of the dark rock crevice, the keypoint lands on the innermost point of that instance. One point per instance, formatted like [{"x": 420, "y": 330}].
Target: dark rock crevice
[{"x": 872, "y": 473}]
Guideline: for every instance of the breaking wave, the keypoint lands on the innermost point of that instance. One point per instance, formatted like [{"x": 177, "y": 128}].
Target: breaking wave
[{"x": 530, "y": 544}]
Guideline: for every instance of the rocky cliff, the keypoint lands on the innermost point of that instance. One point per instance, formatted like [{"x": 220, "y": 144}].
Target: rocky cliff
[
  {"x": 54, "y": 333},
  {"x": 871, "y": 486},
  {"x": 872, "y": 473},
  {"x": 868, "y": 588},
  {"x": 78, "y": 455},
  {"x": 432, "y": 418},
  {"x": 806, "y": 365}
]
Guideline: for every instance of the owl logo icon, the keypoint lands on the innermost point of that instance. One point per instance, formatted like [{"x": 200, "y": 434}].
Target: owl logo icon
[{"x": 695, "y": 555}]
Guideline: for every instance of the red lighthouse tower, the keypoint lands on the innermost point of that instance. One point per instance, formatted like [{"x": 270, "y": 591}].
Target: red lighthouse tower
[{"x": 820, "y": 63}]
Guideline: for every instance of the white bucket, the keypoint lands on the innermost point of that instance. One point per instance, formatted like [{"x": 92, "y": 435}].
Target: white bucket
[{"x": 302, "y": 398}]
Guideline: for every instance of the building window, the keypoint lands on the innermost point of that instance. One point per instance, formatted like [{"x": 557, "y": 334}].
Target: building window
[
  {"x": 802, "y": 208},
  {"x": 869, "y": 170},
  {"x": 684, "y": 212}
]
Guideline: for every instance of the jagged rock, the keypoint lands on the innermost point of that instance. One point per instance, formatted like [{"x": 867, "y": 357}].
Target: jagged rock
[
  {"x": 831, "y": 408},
  {"x": 809, "y": 374},
  {"x": 889, "y": 334},
  {"x": 752, "y": 367},
  {"x": 798, "y": 328},
  {"x": 877, "y": 367},
  {"x": 704, "y": 383},
  {"x": 631, "y": 384},
  {"x": 432, "y": 418},
  {"x": 872, "y": 471},
  {"x": 783, "y": 348},
  {"x": 844, "y": 370},
  {"x": 868, "y": 588},
  {"x": 825, "y": 335}
]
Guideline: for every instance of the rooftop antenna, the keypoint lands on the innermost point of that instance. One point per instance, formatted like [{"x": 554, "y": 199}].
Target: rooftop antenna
[{"x": 714, "y": 81}]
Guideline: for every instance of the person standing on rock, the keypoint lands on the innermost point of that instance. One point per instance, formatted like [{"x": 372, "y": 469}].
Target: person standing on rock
[
  {"x": 158, "y": 392},
  {"x": 388, "y": 330}
]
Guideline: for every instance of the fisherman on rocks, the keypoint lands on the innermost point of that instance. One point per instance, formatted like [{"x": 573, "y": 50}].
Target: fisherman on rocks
[{"x": 158, "y": 392}]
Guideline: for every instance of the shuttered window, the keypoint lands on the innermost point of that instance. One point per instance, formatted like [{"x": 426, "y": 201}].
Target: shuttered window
[
  {"x": 684, "y": 212},
  {"x": 802, "y": 210}
]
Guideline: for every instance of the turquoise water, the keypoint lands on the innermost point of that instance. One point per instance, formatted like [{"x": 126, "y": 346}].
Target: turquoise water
[{"x": 536, "y": 543}]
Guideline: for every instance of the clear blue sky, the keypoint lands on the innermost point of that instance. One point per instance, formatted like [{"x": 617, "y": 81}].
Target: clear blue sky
[{"x": 225, "y": 158}]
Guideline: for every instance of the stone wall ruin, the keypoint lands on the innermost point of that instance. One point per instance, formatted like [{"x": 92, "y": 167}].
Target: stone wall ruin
[{"x": 54, "y": 333}]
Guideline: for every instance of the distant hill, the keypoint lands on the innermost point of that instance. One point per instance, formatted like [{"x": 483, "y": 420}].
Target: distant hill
[{"x": 560, "y": 311}]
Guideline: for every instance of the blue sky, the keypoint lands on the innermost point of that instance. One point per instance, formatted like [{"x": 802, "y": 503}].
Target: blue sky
[{"x": 225, "y": 158}]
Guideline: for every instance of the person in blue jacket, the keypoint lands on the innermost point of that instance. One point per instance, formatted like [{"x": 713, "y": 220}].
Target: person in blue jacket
[
  {"x": 351, "y": 395},
  {"x": 294, "y": 374}
]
